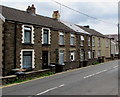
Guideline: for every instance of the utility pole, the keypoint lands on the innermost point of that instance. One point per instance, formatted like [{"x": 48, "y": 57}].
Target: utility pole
[
  {"x": 119, "y": 30},
  {"x": 118, "y": 41}
]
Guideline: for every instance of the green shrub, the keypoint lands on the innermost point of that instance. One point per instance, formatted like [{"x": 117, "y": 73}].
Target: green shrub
[{"x": 95, "y": 63}]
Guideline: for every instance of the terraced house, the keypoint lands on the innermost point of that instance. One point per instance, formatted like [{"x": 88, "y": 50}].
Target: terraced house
[
  {"x": 33, "y": 42},
  {"x": 100, "y": 44}
]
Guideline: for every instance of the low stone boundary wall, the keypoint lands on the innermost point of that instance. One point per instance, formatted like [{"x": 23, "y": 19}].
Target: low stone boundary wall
[
  {"x": 8, "y": 79},
  {"x": 92, "y": 61},
  {"x": 53, "y": 68},
  {"x": 72, "y": 65},
  {"x": 107, "y": 59},
  {"x": 27, "y": 75}
]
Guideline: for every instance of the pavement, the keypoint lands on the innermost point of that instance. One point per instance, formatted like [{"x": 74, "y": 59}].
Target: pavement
[{"x": 93, "y": 80}]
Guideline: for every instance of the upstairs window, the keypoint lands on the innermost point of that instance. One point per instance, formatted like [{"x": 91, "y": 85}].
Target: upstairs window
[
  {"x": 72, "y": 39},
  {"x": 45, "y": 36},
  {"x": 99, "y": 42},
  {"x": 27, "y": 34},
  {"x": 61, "y": 39},
  {"x": 82, "y": 41},
  {"x": 93, "y": 41},
  {"x": 88, "y": 41},
  {"x": 107, "y": 43}
]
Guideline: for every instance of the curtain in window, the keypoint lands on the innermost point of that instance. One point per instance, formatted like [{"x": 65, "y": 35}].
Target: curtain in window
[
  {"x": 27, "y": 59},
  {"x": 72, "y": 41},
  {"x": 61, "y": 57},
  {"x": 27, "y": 36},
  {"x": 61, "y": 40},
  {"x": 46, "y": 37}
]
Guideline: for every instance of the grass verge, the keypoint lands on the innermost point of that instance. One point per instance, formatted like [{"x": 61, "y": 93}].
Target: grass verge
[{"x": 30, "y": 78}]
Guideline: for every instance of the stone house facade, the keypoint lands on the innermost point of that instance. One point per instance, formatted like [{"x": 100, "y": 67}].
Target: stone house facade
[
  {"x": 33, "y": 42},
  {"x": 100, "y": 43}
]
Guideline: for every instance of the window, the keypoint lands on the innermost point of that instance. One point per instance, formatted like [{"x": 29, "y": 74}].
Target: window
[
  {"x": 99, "y": 53},
  {"x": 45, "y": 36},
  {"x": 99, "y": 44},
  {"x": 82, "y": 55},
  {"x": 107, "y": 44},
  {"x": 82, "y": 41},
  {"x": 61, "y": 38},
  {"x": 27, "y": 59},
  {"x": 88, "y": 41},
  {"x": 72, "y": 56},
  {"x": 28, "y": 34},
  {"x": 93, "y": 41},
  {"x": 61, "y": 57},
  {"x": 89, "y": 54},
  {"x": 72, "y": 40}
]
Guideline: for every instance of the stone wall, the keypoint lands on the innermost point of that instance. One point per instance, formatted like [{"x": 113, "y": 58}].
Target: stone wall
[{"x": 27, "y": 75}]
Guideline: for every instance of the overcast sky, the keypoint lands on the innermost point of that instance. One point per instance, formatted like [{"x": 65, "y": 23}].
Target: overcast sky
[{"x": 106, "y": 11}]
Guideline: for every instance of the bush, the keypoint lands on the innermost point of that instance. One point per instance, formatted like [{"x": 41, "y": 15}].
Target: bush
[{"x": 95, "y": 63}]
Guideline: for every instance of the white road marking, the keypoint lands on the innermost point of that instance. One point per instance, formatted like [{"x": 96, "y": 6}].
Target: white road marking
[
  {"x": 99, "y": 72},
  {"x": 115, "y": 67},
  {"x": 50, "y": 89}
]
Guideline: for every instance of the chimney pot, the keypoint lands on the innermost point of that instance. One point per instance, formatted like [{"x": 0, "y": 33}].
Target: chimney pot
[
  {"x": 31, "y": 10},
  {"x": 56, "y": 15}
]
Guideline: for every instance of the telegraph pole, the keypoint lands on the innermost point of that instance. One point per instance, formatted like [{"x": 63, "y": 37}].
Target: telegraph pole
[
  {"x": 118, "y": 41},
  {"x": 119, "y": 30}
]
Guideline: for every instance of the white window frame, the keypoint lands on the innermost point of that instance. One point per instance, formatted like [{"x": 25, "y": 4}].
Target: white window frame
[
  {"x": 72, "y": 53},
  {"x": 32, "y": 33},
  {"x": 33, "y": 57},
  {"x": 88, "y": 41},
  {"x": 93, "y": 41},
  {"x": 49, "y": 34},
  {"x": 99, "y": 42},
  {"x": 72, "y": 36},
  {"x": 82, "y": 41},
  {"x": 61, "y": 34},
  {"x": 89, "y": 54},
  {"x": 107, "y": 43},
  {"x": 82, "y": 54},
  {"x": 99, "y": 53}
]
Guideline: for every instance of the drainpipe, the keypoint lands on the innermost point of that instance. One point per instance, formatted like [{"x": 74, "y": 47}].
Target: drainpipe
[{"x": 15, "y": 39}]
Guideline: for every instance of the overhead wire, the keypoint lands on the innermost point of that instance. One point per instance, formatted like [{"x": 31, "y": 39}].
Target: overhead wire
[{"x": 82, "y": 13}]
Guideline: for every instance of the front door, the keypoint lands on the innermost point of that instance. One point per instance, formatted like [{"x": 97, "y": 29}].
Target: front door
[
  {"x": 45, "y": 59},
  {"x": 93, "y": 54}
]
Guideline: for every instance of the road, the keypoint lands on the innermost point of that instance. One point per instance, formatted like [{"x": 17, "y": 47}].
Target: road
[{"x": 95, "y": 80}]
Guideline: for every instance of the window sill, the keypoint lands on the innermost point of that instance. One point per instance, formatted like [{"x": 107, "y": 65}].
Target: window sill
[
  {"x": 61, "y": 45},
  {"x": 27, "y": 44},
  {"x": 72, "y": 45},
  {"x": 45, "y": 44}
]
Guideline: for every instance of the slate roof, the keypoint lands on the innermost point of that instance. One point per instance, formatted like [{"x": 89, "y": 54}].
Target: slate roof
[
  {"x": 92, "y": 31},
  {"x": 75, "y": 27},
  {"x": 24, "y": 17}
]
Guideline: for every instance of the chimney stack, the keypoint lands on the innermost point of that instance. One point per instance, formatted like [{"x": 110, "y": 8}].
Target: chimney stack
[
  {"x": 56, "y": 15},
  {"x": 87, "y": 26},
  {"x": 31, "y": 10}
]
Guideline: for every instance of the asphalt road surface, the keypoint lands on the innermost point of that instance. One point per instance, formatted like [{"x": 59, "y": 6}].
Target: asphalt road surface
[{"x": 95, "y": 80}]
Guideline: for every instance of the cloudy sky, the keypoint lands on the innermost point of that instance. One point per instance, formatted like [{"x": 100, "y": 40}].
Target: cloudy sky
[{"x": 105, "y": 10}]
